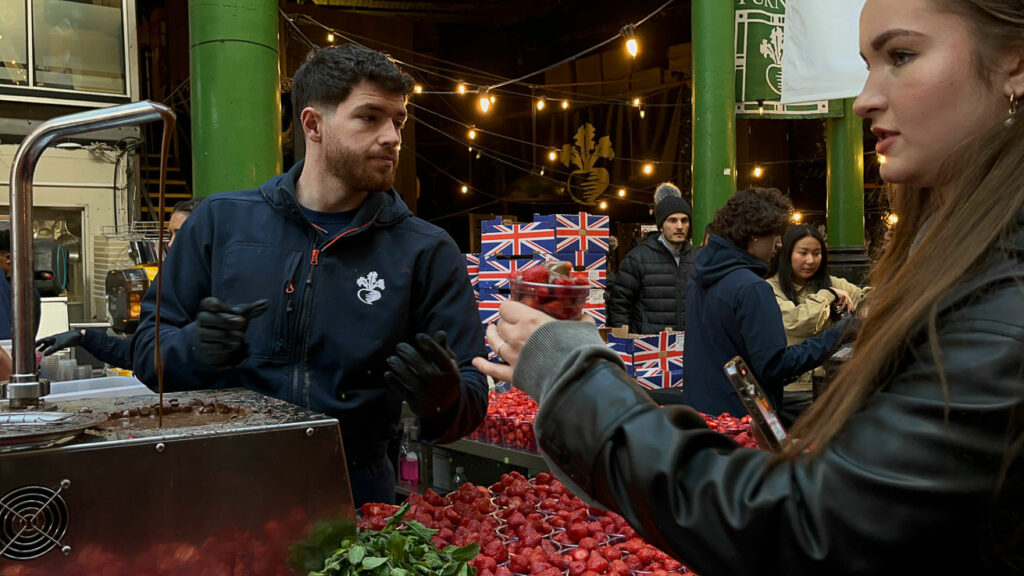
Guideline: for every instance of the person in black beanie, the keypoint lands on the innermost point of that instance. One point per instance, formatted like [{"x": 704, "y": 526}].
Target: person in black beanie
[{"x": 649, "y": 291}]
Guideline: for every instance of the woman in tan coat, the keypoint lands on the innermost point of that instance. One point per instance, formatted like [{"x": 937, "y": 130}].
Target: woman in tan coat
[{"x": 810, "y": 300}]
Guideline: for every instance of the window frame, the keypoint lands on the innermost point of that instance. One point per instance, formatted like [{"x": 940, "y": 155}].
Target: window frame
[{"x": 81, "y": 98}]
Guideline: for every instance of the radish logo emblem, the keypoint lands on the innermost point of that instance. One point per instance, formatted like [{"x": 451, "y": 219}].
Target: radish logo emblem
[{"x": 370, "y": 288}]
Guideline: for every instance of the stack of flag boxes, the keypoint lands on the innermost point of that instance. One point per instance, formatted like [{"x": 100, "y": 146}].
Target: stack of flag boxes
[
  {"x": 654, "y": 361},
  {"x": 507, "y": 248},
  {"x": 582, "y": 240}
]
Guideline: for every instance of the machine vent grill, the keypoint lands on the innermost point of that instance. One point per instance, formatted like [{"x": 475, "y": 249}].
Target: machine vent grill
[{"x": 33, "y": 519}]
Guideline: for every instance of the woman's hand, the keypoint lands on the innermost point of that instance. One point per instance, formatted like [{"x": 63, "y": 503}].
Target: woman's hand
[
  {"x": 843, "y": 300},
  {"x": 507, "y": 337}
]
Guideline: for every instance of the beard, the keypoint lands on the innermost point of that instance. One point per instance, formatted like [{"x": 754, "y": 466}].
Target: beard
[{"x": 355, "y": 168}]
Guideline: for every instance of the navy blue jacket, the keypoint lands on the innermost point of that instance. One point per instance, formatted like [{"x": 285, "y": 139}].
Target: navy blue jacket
[
  {"x": 114, "y": 350},
  {"x": 338, "y": 308},
  {"x": 7, "y": 310},
  {"x": 731, "y": 311}
]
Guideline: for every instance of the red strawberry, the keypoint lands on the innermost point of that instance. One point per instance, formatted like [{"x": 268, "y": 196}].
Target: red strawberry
[
  {"x": 597, "y": 563},
  {"x": 538, "y": 274},
  {"x": 576, "y": 568}
]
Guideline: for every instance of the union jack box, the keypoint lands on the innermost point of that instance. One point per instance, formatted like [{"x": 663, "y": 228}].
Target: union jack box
[
  {"x": 488, "y": 306},
  {"x": 473, "y": 269},
  {"x": 515, "y": 239},
  {"x": 594, "y": 307},
  {"x": 624, "y": 348},
  {"x": 577, "y": 232},
  {"x": 663, "y": 351},
  {"x": 655, "y": 378},
  {"x": 494, "y": 272},
  {"x": 595, "y": 264}
]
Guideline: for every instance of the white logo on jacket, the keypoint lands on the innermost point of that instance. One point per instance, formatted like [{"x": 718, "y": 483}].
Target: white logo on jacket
[{"x": 370, "y": 288}]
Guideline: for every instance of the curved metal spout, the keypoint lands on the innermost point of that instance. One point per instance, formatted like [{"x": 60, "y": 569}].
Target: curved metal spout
[{"x": 25, "y": 388}]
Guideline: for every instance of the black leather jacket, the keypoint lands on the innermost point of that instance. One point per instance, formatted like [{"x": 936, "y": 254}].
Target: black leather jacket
[{"x": 923, "y": 480}]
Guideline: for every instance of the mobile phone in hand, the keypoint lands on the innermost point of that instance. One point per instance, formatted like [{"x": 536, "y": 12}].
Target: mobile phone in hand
[{"x": 765, "y": 423}]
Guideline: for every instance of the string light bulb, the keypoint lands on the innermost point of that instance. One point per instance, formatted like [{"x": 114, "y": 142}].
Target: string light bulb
[
  {"x": 648, "y": 168},
  {"x": 461, "y": 88},
  {"x": 892, "y": 219},
  {"x": 484, "y": 100},
  {"x": 797, "y": 217},
  {"x": 636, "y": 102},
  {"x": 565, "y": 104},
  {"x": 553, "y": 155},
  {"x": 540, "y": 103},
  {"x": 622, "y": 192},
  {"x": 472, "y": 134},
  {"x": 603, "y": 205},
  {"x": 642, "y": 113},
  {"x": 758, "y": 171},
  {"x": 760, "y": 106},
  {"x": 629, "y": 33},
  {"x": 882, "y": 159},
  {"x": 418, "y": 88},
  {"x": 330, "y": 37}
]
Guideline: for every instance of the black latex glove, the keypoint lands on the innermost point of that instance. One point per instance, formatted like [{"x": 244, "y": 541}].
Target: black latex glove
[
  {"x": 59, "y": 341},
  {"x": 220, "y": 335},
  {"x": 427, "y": 376}
]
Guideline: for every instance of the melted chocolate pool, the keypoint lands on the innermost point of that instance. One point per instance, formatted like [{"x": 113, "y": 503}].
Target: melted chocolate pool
[{"x": 175, "y": 415}]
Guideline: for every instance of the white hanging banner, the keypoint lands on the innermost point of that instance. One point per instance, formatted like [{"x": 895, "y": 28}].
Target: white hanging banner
[{"x": 822, "y": 56}]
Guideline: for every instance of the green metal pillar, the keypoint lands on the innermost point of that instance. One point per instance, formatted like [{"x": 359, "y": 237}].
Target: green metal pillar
[
  {"x": 236, "y": 98},
  {"x": 714, "y": 116},
  {"x": 845, "y": 218}
]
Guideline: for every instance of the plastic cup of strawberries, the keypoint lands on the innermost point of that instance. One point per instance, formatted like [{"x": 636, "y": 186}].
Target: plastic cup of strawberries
[{"x": 553, "y": 288}]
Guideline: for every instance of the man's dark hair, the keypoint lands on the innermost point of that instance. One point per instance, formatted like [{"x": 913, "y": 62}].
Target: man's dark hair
[
  {"x": 5, "y": 241},
  {"x": 187, "y": 206},
  {"x": 783, "y": 262},
  {"x": 752, "y": 212},
  {"x": 329, "y": 74}
]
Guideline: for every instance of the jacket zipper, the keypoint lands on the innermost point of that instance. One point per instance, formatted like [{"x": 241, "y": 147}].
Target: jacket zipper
[{"x": 300, "y": 391}]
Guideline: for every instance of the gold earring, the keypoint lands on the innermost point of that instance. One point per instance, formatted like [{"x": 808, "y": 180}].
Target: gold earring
[{"x": 1013, "y": 103}]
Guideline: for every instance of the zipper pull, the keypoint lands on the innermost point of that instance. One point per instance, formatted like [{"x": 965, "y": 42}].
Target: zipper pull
[
  {"x": 316, "y": 257},
  {"x": 290, "y": 288}
]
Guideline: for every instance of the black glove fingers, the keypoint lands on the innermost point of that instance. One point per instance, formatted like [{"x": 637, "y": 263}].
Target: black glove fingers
[
  {"x": 252, "y": 309},
  {"x": 222, "y": 321},
  {"x": 435, "y": 353},
  {"x": 413, "y": 360}
]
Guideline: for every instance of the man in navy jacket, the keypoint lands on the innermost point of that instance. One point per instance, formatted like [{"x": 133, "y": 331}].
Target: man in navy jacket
[{"x": 321, "y": 288}]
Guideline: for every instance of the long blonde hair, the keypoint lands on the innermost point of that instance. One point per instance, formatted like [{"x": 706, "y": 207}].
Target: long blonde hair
[{"x": 986, "y": 191}]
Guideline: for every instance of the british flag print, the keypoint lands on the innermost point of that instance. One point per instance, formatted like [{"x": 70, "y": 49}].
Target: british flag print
[
  {"x": 581, "y": 231},
  {"x": 595, "y": 309},
  {"x": 488, "y": 306},
  {"x": 664, "y": 352},
  {"x": 495, "y": 272},
  {"x": 595, "y": 264},
  {"x": 624, "y": 347},
  {"x": 473, "y": 269},
  {"x": 654, "y": 378},
  {"x": 516, "y": 239}
]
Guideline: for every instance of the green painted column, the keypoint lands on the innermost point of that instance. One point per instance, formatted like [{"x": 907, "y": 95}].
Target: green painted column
[
  {"x": 845, "y": 205},
  {"x": 714, "y": 116},
  {"x": 236, "y": 98}
]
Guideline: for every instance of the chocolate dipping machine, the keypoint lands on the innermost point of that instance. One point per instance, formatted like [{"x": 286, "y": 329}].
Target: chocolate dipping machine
[{"x": 92, "y": 485}]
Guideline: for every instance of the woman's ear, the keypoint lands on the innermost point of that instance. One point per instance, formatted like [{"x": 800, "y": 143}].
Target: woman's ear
[
  {"x": 1014, "y": 67},
  {"x": 312, "y": 124}
]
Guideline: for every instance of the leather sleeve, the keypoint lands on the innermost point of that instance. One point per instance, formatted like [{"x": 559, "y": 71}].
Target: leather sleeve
[{"x": 914, "y": 483}]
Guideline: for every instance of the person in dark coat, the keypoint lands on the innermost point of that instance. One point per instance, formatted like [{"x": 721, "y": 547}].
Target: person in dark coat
[
  {"x": 321, "y": 288},
  {"x": 733, "y": 311},
  {"x": 110, "y": 348},
  {"x": 649, "y": 290},
  {"x": 912, "y": 462}
]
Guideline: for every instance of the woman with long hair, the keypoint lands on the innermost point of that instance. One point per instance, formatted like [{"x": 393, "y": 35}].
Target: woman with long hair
[
  {"x": 810, "y": 300},
  {"x": 913, "y": 460}
]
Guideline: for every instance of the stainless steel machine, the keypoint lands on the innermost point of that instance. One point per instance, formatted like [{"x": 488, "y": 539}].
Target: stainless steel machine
[
  {"x": 216, "y": 482},
  {"x": 230, "y": 482}
]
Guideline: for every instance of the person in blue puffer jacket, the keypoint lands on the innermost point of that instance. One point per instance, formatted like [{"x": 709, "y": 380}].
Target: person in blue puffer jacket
[
  {"x": 731, "y": 309},
  {"x": 321, "y": 288}
]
